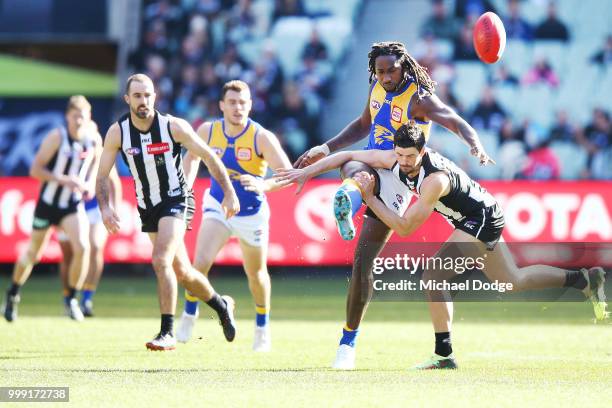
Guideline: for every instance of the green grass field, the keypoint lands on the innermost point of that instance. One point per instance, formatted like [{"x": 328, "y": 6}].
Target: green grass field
[{"x": 510, "y": 354}]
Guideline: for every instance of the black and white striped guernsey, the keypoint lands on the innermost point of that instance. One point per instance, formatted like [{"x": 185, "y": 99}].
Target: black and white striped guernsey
[
  {"x": 72, "y": 158},
  {"x": 154, "y": 159},
  {"x": 465, "y": 197}
]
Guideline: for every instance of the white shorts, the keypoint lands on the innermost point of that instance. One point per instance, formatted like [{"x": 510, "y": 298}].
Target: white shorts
[
  {"x": 393, "y": 192},
  {"x": 93, "y": 214},
  {"x": 252, "y": 229}
]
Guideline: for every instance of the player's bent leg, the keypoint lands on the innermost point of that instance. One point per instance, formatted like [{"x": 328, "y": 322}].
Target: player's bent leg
[
  {"x": 198, "y": 284},
  {"x": 259, "y": 283},
  {"x": 64, "y": 264},
  {"x": 76, "y": 227},
  {"x": 500, "y": 265},
  {"x": 22, "y": 270},
  {"x": 212, "y": 235},
  {"x": 348, "y": 199},
  {"x": 97, "y": 241}
]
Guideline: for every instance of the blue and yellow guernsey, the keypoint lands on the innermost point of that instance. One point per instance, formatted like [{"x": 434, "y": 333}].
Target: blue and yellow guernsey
[
  {"x": 389, "y": 110},
  {"x": 241, "y": 156}
]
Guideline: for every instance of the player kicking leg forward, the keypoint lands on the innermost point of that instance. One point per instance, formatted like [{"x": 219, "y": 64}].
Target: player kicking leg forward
[
  {"x": 253, "y": 149},
  {"x": 400, "y": 90},
  {"x": 65, "y": 163},
  {"x": 443, "y": 187},
  {"x": 151, "y": 143}
]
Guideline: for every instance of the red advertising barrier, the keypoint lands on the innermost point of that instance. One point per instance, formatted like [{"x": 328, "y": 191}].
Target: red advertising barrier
[{"x": 303, "y": 230}]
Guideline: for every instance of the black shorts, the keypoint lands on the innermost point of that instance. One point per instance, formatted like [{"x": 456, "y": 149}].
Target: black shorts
[
  {"x": 485, "y": 225},
  {"x": 46, "y": 215},
  {"x": 179, "y": 207}
]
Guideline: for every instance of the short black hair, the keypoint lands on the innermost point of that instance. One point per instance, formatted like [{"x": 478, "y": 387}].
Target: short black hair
[{"x": 409, "y": 135}]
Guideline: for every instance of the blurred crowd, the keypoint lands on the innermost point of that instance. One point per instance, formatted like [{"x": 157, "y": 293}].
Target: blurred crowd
[
  {"x": 527, "y": 149},
  {"x": 190, "y": 48}
]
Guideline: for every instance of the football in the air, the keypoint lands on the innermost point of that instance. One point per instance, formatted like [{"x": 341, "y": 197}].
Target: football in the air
[{"x": 489, "y": 37}]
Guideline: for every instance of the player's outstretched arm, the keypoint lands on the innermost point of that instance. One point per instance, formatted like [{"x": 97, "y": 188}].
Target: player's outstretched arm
[
  {"x": 112, "y": 143},
  {"x": 352, "y": 133},
  {"x": 433, "y": 108},
  {"x": 183, "y": 133},
  {"x": 432, "y": 188},
  {"x": 373, "y": 158},
  {"x": 272, "y": 152}
]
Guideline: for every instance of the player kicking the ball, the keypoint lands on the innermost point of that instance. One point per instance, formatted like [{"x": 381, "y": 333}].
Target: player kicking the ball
[
  {"x": 245, "y": 148},
  {"x": 443, "y": 187}
]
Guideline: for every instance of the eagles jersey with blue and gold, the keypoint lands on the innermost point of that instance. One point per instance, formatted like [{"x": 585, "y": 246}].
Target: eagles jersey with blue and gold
[
  {"x": 240, "y": 156},
  {"x": 389, "y": 110}
]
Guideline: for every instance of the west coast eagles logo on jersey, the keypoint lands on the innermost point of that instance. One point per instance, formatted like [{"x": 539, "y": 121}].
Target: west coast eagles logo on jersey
[{"x": 382, "y": 134}]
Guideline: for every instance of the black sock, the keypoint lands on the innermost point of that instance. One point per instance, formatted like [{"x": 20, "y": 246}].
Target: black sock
[
  {"x": 14, "y": 289},
  {"x": 167, "y": 323},
  {"x": 575, "y": 279},
  {"x": 443, "y": 344},
  {"x": 217, "y": 303},
  {"x": 71, "y": 294}
]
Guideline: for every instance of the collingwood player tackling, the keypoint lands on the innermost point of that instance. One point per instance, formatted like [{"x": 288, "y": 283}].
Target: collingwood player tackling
[
  {"x": 442, "y": 187},
  {"x": 150, "y": 143}
]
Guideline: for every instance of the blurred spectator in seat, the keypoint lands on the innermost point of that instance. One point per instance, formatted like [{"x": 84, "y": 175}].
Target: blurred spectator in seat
[
  {"x": 542, "y": 163},
  {"x": 193, "y": 50},
  {"x": 552, "y": 28},
  {"x": 230, "y": 66},
  {"x": 313, "y": 82},
  {"x": 209, "y": 81},
  {"x": 440, "y": 24},
  {"x": 463, "y": 45},
  {"x": 562, "y": 130},
  {"x": 209, "y": 8},
  {"x": 516, "y": 27},
  {"x": 154, "y": 41},
  {"x": 487, "y": 113},
  {"x": 465, "y": 8},
  {"x": 503, "y": 77},
  {"x": 186, "y": 90},
  {"x": 445, "y": 93},
  {"x": 315, "y": 48},
  {"x": 604, "y": 56},
  {"x": 286, "y": 8},
  {"x": 293, "y": 116},
  {"x": 597, "y": 135},
  {"x": 240, "y": 23},
  {"x": 541, "y": 72}
]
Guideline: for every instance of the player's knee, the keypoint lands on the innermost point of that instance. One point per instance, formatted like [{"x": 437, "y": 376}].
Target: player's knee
[
  {"x": 203, "y": 265},
  {"x": 161, "y": 262},
  {"x": 80, "y": 248},
  {"x": 182, "y": 271}
]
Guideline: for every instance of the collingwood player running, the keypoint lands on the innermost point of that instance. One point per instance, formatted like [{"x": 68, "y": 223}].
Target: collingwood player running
[
  {"x": 65, "y": 163},
  {"x": 150, "y": 143},
  {"x": 478, "y": 220}
]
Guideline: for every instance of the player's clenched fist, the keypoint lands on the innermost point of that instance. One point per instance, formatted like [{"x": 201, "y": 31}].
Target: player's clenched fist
[
  {"x": 366, "y": 183},
  {"x": 311, "y": 156},
  {"x": 230, "y": 205}
]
